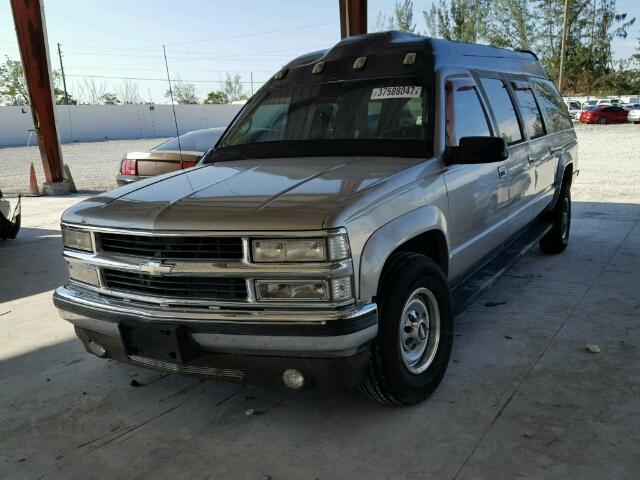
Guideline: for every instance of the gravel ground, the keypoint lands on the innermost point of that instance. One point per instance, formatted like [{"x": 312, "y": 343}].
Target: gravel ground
[
  {"x": 608, "y": 153},
  {"x": 94, "y": 165}
]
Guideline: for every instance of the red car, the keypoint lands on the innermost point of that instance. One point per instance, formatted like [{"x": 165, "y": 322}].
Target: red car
[{"x": 604, "y": 114}]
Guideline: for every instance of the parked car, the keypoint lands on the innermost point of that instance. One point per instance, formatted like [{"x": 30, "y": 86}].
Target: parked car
[
  {"x": 634, "y": 115},
  {"x": 365, "y": 195},
  {"x": 601, "y": 101},
  {"x": 604, "y": 114},
  {"x": 169, "y": 156},
  {"x": 575, "y": 108},
  {"x": 630, "y": 106},
  {"x": 9, "y": 218}
]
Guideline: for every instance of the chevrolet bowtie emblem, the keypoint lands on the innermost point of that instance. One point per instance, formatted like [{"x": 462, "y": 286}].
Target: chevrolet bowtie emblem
[{"x": 155, "y": 268}]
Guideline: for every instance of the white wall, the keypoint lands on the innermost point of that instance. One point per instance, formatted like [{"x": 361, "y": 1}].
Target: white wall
[{"x": 108, "y": 122}]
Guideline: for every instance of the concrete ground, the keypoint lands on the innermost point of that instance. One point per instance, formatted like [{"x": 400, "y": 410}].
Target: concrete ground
[{"x": 523, "y": 398}]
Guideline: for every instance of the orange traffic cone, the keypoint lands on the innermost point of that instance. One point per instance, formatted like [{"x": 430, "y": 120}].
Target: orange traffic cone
[{"x": 33, "y": 182}]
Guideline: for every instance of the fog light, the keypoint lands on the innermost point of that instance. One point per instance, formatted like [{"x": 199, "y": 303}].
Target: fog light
[
  {"x": 97, "y": 349},
  {"x": 293, "y": 378}
]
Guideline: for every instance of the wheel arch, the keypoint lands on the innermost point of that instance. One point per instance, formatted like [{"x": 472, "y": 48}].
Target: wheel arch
[
  {"x": 423, "y": 230},
  {"x": 564, "y": 174}
]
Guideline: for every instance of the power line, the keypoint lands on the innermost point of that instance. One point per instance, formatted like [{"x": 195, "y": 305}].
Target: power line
[
  {"x": 252, "y": 34},
  {"x": 129, "y": 67},
  {"x": 156, "y": 79},
  {"x": 197, "y": 52},
  {"x": 231, "y": 58}
]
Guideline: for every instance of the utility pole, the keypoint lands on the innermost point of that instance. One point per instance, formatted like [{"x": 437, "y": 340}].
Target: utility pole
[
  {"x": 251, "y": 73},
  {"x": 564, "y": 37},
  {"x": 64, "y": 80}
]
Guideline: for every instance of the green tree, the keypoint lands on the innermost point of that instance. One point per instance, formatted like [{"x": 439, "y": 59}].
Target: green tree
[
  {"x": 13, "y": 87},
  {"x": 216, "y": 97},
  {"x": 109, "y": 98},
  {"x": 461, "y": 20},
  {"x": 232, "y": 88},
  {"x": 401, "y": 19},
  {"x": 404, "y": 16},
  {"x": 183, "y": 93},
  {"x": 511, "y": 24},
  {"x": 383, "y": 23}
]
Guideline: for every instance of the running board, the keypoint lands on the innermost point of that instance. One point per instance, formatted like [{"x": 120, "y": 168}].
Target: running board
[{"x": 469, "y": 290}]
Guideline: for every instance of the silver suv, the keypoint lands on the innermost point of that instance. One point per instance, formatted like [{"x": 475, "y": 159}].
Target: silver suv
[{"x": 363, "y": 197}]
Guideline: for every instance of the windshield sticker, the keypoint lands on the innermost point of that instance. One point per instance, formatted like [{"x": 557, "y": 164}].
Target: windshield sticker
[{"x": 395, "y": 92}]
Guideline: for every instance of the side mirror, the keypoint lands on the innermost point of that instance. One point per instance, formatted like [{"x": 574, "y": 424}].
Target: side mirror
[{"x": 477, "y": 150}]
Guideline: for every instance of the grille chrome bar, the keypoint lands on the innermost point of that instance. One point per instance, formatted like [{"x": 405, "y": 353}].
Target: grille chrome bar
[{"x": 224, "y": 373}]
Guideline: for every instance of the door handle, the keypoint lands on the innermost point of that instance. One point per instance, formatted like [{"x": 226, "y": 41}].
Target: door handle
[
  {"x": 502, "y": 171},
  {"x": 531, "y": 159}
]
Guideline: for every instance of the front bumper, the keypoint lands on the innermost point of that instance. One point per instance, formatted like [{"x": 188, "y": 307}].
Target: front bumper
[{"x": 331, "y": 348}]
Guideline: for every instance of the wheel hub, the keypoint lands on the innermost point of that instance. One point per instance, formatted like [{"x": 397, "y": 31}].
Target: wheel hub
[{"x": 419, "y": 330}]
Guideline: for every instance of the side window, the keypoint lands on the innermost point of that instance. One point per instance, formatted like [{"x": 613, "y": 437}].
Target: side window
[
  {"x": 469, "y": 118},
  {"x": 530, "y": 112},
  {"x": 503, "y": 109},
  {"x": 552, "y": 106}
]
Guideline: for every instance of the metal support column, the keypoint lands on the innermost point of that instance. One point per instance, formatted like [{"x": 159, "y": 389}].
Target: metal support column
[
  {"x": 353, "y": 17},
  {"x": 29, "y": 21}
]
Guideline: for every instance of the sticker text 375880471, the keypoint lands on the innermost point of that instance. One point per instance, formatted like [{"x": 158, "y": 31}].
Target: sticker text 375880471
[{"x": 396, "y": 92}]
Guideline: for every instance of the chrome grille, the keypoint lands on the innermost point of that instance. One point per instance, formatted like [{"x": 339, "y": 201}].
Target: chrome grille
[
  {"x": 203, "y": 288},
  {"x": 173, "y": 247},
  {"x": 228, "y": 374}
]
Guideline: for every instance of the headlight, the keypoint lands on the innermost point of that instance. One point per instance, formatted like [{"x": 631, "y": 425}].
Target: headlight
[
  {"x": 274, "y": 291},
  {"x": 83, "y": 272},
  {"x": 335, "y": 247},
  {"x": 77, "y": 240}
]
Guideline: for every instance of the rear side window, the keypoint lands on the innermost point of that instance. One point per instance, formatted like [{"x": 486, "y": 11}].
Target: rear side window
[
  {"x": 503, "y": 109},
  {"x": 530, "y": 112},
  {"x": 468, "y": 117},
  {"x": 554, "y": 109}
]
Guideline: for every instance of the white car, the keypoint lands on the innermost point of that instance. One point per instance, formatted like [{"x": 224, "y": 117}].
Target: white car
[
  {"x": 634, "y": 116},
  {"x": 575, "y": 108}
]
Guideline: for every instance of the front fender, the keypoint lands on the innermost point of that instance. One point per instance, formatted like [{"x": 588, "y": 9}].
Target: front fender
[{"x": 389, "y": 237}]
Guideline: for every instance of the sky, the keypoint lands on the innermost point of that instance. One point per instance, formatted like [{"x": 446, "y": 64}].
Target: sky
[{"x": 103, "y": 39}]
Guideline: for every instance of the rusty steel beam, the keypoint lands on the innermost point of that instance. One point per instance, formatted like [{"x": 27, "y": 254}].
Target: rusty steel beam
[
  {"x": 28, "y": 17},
  {"x": 353, "y": 17}
]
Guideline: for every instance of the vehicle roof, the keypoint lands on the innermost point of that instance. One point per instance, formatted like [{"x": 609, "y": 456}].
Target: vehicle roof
[{"x": 385, "y": 52}]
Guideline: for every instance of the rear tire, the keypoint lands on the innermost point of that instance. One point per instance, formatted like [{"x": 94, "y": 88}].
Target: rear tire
[
  {"x": 602, "y": 120},
  {"x": 557, "y": 239},
  {"x": 415, "y": 331}
]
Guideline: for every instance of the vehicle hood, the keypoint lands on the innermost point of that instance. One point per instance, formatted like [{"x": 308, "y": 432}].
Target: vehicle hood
[{"x": 262, "y": 194}]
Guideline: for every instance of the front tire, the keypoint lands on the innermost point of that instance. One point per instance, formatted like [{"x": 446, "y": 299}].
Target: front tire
[
  {"x": 415, "y": 331},
  {"x": 557, "y": 239}
]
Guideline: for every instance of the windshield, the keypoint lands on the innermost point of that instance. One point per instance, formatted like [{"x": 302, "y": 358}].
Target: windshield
[
  {"x": 360, "y": 117},
  {"x": 198, "y": 141}
]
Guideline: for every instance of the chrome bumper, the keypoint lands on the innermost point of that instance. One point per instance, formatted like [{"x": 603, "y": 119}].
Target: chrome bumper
[{"x": 304, "y": 333}]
